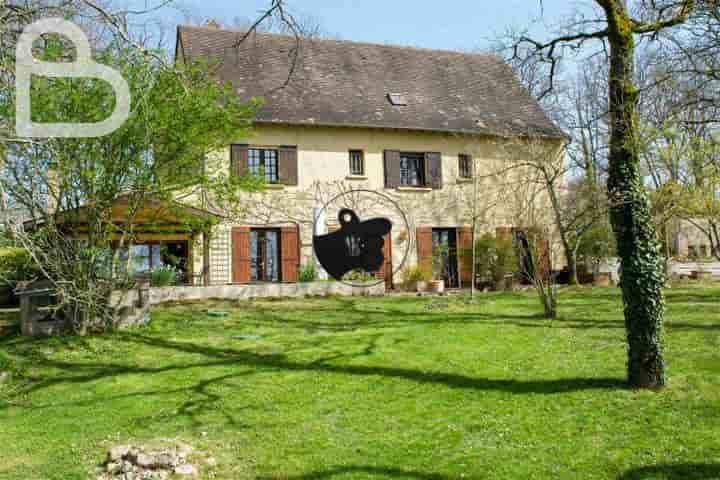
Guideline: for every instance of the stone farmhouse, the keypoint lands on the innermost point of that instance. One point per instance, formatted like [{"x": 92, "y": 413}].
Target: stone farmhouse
[{"x": 417, "y": 126}]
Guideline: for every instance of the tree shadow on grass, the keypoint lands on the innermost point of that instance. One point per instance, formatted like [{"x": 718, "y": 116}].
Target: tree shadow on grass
[
  {"x": 213, "y": 357},
  {"x": 674, "y": 471},
  {"x": 375, "y": 472},
  {"x": 358, "y": 317}
]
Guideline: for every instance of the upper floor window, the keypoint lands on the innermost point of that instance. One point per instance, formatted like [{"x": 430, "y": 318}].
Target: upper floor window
[
  {"x": 357, "y": 162},
  {"x": 412, "y": 169},
  {"x": 465, "y": 165},
  {"x": 263, "y": 162}
]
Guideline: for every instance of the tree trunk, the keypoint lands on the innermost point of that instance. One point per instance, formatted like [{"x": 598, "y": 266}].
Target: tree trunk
[
  {"x": 572, "y": 268},
  {"x": 562, "y": 231},
  {"x": 642, "y": 277},
  {"x": 474, "y": 229}
]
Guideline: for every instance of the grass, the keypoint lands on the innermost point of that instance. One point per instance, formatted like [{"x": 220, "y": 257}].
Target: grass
[
  {"x": 9, "y": 320},
  {"x": 419, "y": 389}
]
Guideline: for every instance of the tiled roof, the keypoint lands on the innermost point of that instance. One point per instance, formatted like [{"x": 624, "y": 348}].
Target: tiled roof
[{"x": 340, "y": 83}]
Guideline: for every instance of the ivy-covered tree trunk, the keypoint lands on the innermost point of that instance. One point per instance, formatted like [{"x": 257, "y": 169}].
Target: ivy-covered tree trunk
[{"x": 642, "y": 275}]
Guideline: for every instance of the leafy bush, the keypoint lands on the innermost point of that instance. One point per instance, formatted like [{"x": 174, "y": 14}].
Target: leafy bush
[
  {"x": 308, "y": 273},
  {"x": 597, "y": 244},
  {"x": 411, "y": 277},
  {"x": 165, "y": 276},
  {"x": 495, "y": 258},
  {"x": 359, "y": 276},
  {"x": 15, "y": 266}
]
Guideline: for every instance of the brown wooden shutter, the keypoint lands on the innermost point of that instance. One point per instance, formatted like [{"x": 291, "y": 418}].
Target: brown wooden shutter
[
  {"x": 290, "y": 253},
  {"x": 386, "y": 271},
  {"x": 241, "y": 255},
  {"x": 503, "y": 232},
  {"x": 288, "y": 165},
  {"x": 392, "y": 169},
  {"x": 433, "y": 170},
  {"x": 464, "y": 245},
  {"x": 425, "y": 247},
  {"x": 239, "y": 160}
]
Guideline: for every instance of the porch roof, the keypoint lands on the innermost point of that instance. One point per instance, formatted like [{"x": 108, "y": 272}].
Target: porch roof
[{"x": 153, "y": 213}]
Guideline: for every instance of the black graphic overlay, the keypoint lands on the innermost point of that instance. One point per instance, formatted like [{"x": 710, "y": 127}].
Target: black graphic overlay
[
  {"x": 361, "y": 238},
  {"x": 356, "y": 246}
]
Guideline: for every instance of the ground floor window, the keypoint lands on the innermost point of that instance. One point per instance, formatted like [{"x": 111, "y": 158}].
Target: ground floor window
[
  {"x": 149, "y": 256},
  {"x": 264, "y": 255}
]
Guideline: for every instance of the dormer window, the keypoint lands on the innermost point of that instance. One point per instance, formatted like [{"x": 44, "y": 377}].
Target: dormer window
[{"x": 397, "y": 99}]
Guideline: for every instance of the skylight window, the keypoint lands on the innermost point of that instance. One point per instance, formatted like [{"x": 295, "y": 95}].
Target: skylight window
[{"x": 397, "y": 99}]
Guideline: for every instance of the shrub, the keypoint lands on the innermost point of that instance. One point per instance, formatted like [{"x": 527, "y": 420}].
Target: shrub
[
  {"x": 15, "y": 266},
  {"x": 411, "y": 277},
  {"x": 359, "y": 276},
  {"x": 307, "y": 273},
  {"x": 495, "y": 258},
  {"x": 597, "y": 245},
  {"x": 165, "y": 276}
]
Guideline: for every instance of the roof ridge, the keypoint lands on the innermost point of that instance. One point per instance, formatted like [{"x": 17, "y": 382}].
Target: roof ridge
[
  {"x": 343, "y": 41},
  {"x": 344, "y": 82}
]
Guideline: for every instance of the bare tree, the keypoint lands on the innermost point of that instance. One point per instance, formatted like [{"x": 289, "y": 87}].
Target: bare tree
[{"x": 642, "y": 278}]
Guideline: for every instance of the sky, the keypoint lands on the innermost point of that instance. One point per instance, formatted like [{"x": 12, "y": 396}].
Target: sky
[{"x": 439, "y": 24}]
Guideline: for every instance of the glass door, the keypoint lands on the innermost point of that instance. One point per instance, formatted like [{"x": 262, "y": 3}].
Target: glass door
[
  {"x": 264, "y": 255},
  {"x": 445, "y": 262}
]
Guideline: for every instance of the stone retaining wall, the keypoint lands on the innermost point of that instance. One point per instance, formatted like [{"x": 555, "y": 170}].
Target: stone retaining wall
[
  {"x": 680, "y": 269},
  {"x": 245, "y": 292}
]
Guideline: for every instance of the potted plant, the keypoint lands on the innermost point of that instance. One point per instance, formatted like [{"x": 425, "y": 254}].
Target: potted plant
[
  {"x": 436, "y": 286},
  {"x": 416, "y": 279},
  {"x": 441, "y": 269}
]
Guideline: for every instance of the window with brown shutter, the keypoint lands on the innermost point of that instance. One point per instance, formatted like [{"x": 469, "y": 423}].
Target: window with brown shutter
[
  {"x": 290, "y": 253},
  {"x": 288, "y": 165},
  {"x": 413, "y": 169},
  {"x": 241, "y": 255}
]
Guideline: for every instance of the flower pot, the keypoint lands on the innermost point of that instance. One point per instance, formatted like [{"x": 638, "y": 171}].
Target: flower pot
[
  {"x": 436, "y": 286},
  {"x": 421, "y": 286}
]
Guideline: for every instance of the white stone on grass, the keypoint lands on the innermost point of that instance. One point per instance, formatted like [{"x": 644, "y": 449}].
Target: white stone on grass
[
  {"x": 117, "y": 454},
  {"x": 186, "y": 469}
]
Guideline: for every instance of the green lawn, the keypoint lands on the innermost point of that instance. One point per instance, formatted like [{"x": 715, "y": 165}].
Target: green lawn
[
  {"x": 9, "y": 320},
  {"x": 376, "y": 389}
]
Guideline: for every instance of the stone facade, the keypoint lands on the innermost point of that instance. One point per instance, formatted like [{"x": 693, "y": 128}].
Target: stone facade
[{"x": 323, "y": 172}]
